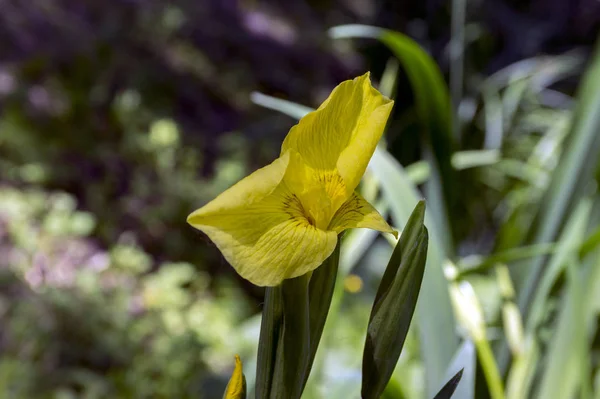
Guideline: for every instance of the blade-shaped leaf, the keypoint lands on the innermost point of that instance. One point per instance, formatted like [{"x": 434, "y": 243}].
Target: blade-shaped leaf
[
  {"x": 320, "y": 293},
  {"x": 568, "y": 246},
  {"x": 410, "y": 234},
  {"x": 293, "y": 351},
  {"x": 565, "y": 358},
  {"x": 572, "y": 176},
  {"x": 448, "y": 390},
  {"x": 271, "y": 332},
  {"x": 434, "y": 314},
  {"x": 394, "y": 307},
  {"x": 464, "y": 361}
]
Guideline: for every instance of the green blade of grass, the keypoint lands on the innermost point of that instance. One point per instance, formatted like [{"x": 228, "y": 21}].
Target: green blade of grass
[
  {"x": 563, "y": 366},
  {"x": 572, "y": 176},
  {"x": 478, "y": 263},
  {"x": 284, "y": 106},
  {"x": 474, "y": 158},
  {"x": 567, "y": 247}
]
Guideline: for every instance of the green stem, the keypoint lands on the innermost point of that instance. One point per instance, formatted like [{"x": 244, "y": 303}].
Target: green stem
[{"x": 490, "y": 369}]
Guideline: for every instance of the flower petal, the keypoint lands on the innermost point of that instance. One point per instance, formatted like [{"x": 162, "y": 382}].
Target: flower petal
[
  {"x": 260, "y": 228},
  {"x": 320, "y": 192},
  {"x": 250, "y": 190},
  {"x": 358, "y": 213},
  {"x": 236, "y": 388},
  {"x": 343, "y": 132}
]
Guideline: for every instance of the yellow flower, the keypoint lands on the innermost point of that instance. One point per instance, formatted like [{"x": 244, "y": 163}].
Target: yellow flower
[
  {"x": 236, "y": 388},
  {"x": 282, "y": 221}
]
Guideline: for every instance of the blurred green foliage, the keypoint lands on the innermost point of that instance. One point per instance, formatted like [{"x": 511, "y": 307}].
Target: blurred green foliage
[{"x": 78, "y": 321}]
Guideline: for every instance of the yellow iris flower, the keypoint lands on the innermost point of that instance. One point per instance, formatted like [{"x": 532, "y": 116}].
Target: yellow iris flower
[{"x": 282, "y": 221}]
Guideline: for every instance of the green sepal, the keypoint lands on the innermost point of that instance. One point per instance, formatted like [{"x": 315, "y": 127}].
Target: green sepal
[{"x": 394, "y": 306}]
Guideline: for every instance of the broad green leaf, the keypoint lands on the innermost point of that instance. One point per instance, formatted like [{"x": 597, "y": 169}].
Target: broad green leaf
[{"x": 394, "y": 306}]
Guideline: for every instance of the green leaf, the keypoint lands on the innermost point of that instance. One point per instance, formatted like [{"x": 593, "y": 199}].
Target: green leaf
[
  {"x": 394, "y": 306},
  {"x": 566, "y": 350},
  {"x": 573, "y": 174},
  {"x": 292, "y": 324},
  {"x": 448, "y": 390},
  {"x": 474, "y": 158},
  {"x": 478, "y": 264},
  {"x": 568, "y": 362},
  {"x": 271, "y": 332},
  {"x": 567, "y": 248},
  {"x": 286, "y": 107},
  {"x": 411, "y": 232},
  {"x": 464, "y": 361},
  {"x": 591, "y": 243},
  {"x": 320, "y": 293},
  {"x": 291, "y": 366},
  {"x": 435, "y": 316},
  {"x": 522, "y": 371}
]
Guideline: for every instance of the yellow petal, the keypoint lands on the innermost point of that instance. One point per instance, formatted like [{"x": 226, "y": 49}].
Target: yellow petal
[
  {"x": 250, "y": 190},
  {"x": 358, "y": 213},
  {"x": 343, "y": 132},
  {"x": 236, "y": 388},
  {"x": 321, "y": 192},
  {"x": 261, "y": 229}
]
